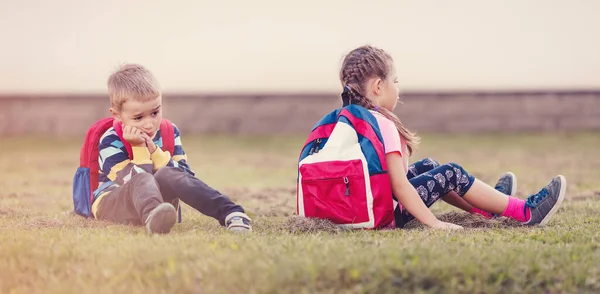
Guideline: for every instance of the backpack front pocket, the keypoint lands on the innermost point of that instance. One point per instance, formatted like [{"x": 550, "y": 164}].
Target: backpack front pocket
[{"x": 335, "y": 190}]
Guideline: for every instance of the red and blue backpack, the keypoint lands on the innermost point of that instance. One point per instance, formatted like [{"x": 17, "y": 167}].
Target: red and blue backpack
[
  {"x": 85, "y": 181},
  {"x": 342, "y": 172}
]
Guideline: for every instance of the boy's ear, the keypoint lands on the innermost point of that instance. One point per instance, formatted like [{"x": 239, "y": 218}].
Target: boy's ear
[{"x": 115, "y": 114}]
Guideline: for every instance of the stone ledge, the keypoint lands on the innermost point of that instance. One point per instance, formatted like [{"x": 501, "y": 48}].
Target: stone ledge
[{"x": 297, "y": 113}]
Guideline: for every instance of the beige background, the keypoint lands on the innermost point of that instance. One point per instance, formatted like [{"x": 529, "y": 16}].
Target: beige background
[{"x": 64, "y": 46}]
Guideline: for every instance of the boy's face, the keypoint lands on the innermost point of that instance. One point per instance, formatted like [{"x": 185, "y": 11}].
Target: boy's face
[{"x": 144, "y": 115}]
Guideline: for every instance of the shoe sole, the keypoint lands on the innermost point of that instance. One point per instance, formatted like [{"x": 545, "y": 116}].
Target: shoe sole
[
  {"x": 561, "y": 197},
  {"x": 164, "y": 218},
  {"x": 513, "y": 190},
  {"x": 240, "y": 230}
]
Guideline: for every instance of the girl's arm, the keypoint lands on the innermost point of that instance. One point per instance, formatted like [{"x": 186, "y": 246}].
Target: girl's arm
[{"x": 408, "y": 196}]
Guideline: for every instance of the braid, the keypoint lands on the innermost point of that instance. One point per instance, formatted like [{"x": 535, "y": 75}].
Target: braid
[
  {"x": 360, "y": 65},
  {"x": 352, "y": 76}
]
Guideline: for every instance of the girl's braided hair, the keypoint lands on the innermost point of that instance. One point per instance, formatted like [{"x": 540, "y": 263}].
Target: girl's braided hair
[{"x": 360, "y": 65}]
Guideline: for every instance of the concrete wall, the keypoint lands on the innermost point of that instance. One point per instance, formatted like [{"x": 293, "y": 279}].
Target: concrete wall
[
  {"x": 275, "y": 46},
  {"x": 287, "y": 113}
]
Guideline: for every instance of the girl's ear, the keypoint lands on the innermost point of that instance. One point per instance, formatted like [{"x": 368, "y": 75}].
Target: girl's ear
[{"x": 376, "y": 86}]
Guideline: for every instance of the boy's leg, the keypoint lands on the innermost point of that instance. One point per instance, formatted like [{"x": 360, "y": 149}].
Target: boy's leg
[
  {"x": 433, "y": 185},
  {"x": 176, "y": 183},
  {"x": 137, "y": 202}
]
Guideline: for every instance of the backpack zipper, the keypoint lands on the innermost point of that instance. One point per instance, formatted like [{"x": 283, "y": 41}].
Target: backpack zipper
[
  {"x": 317, "y": 145},
  {"x": 347, "y": 183}
]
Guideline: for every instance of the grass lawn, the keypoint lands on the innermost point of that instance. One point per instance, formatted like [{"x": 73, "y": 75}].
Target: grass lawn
[{"x": 44, "y": 248}]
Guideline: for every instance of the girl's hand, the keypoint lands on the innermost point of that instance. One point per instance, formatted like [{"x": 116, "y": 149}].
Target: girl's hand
[{"x": 440, "y": 225}]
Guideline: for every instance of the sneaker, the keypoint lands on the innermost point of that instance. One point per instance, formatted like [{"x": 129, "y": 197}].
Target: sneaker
[
  {"x": 544, "y": 204},
  {"x": 238, "y": 222},
  {"x": 161, "y": 219},
  {"x": 507, "y": 184}
]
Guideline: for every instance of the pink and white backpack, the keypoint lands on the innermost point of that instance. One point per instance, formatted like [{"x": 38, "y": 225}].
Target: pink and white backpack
[{"x": 342, "y": 172}]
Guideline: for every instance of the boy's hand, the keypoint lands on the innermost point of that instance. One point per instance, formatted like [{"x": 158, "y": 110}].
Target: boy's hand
[
  {"x": 133, "y": 136},
  {"x": 149, "y": 143}
]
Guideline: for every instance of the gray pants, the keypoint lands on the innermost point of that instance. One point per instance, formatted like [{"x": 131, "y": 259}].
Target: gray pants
[{"x": 132, "y": 202}]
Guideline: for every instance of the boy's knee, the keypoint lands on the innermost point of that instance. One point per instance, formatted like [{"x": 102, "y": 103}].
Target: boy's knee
[
  {"x": 143, "y": 181},
  {"x": 165, "y": 174},
  {"x": 162, "y": 175},
  {"x": 142, "y": 177}
]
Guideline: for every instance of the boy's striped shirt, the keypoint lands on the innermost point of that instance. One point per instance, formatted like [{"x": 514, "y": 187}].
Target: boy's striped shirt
[{"x": 116, "y": 169}]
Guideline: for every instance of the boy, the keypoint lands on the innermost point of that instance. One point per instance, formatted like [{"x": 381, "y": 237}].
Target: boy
[{"x": 146, "y": 189}]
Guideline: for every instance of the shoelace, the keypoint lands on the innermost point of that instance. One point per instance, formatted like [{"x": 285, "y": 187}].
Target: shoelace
[{"x": 533, "y": 200}]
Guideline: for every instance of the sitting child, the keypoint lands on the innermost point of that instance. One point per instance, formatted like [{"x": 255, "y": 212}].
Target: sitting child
[{"x": 146, "y": 189}]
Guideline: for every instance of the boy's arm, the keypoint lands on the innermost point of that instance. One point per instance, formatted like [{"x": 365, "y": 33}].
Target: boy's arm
[
  {"x": 162, "y": 158},
  {"x": 114, "y": 161}
]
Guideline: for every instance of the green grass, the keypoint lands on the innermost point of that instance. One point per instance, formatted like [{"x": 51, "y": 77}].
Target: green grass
[{"x": 45, "y": 248}]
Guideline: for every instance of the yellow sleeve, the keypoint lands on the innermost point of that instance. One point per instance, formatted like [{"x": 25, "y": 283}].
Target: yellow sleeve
[
  {"x": 141, "y": 155},
  {"x": 160, "y": 158}
]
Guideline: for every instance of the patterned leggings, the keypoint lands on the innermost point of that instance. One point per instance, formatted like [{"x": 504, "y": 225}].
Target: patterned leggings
[{"x": 432, "y": 181}]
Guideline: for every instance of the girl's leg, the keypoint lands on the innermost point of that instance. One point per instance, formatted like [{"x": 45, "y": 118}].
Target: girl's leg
[
  {"x": 506, "y": 182},
  {"x": 428, "y": 164},
  {"x": 487, "y": 198},
  {"x": 507, "y": 185},
  {"x": 537, "y": 209},
  {"x": 433, "y": 185},
  {"x": 453, "y": 199},
  {"x": 481, "y": 196}
]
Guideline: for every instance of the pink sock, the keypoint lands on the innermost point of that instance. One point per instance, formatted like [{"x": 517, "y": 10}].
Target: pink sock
[
  {"x": 516, "y": 209},
  {"x": 476, "y": 210}
]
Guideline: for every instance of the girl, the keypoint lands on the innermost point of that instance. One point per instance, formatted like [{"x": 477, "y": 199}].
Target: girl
[{"x": 369, "y": 79}]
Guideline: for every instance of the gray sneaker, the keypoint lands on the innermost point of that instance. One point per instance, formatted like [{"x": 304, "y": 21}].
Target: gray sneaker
[
  {"x": 161, "y": 219},
  {"x": 238, "y": 222},
  {"x": 544, "y": 204},
  {"x": 507, "y": 184}
]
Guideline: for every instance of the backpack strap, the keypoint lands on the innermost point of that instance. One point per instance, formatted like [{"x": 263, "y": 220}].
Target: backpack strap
[
  {"x": 167, "y": 132},
  {"x": 365, "y": 129}
]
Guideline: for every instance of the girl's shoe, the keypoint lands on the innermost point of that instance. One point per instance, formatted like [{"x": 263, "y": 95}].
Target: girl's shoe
[{"x": 544, "y": 204}]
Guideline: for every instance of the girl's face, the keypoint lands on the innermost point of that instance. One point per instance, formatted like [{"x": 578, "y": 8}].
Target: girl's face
[{"x": 387, "y": 91}]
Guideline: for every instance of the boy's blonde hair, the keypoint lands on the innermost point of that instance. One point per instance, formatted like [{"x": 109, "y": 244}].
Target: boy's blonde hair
[{"x": 131, "y": 81}]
